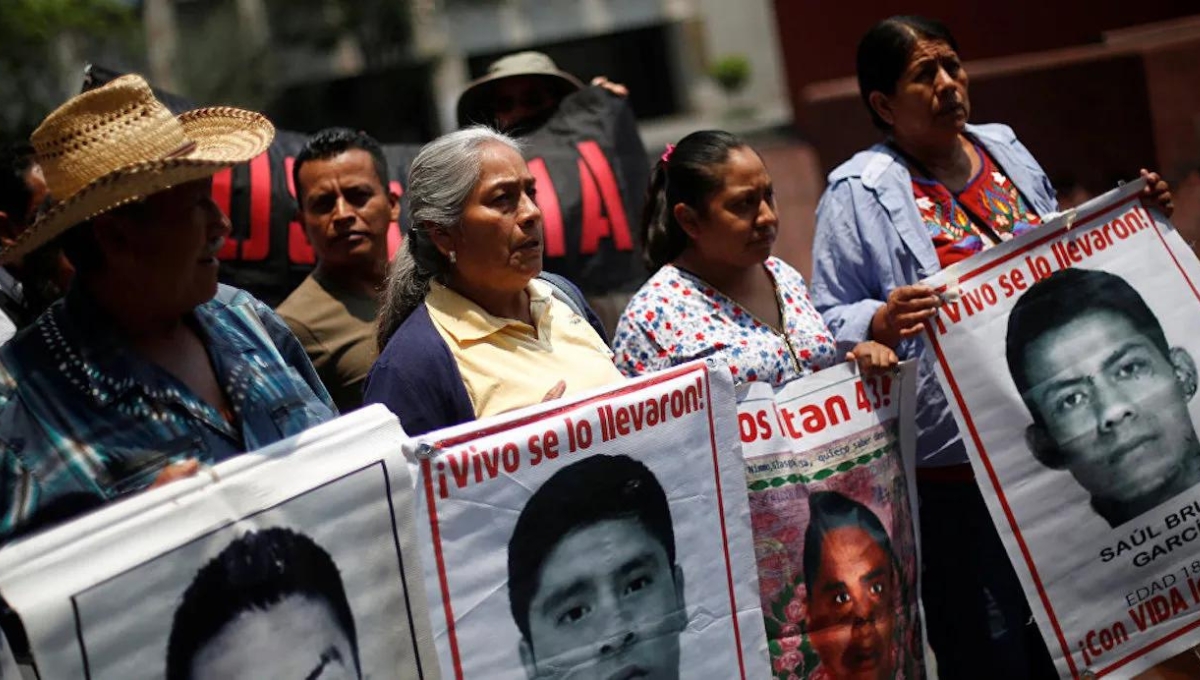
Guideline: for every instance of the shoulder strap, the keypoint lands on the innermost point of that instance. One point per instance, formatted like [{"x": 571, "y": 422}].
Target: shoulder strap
[
  {"x": 568, "y": 294},
  {"x": 565, "y": 292}
]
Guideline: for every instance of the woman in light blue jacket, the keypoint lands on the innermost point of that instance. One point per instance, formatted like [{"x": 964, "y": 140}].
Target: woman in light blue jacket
[{"x": 936, "y": 191}]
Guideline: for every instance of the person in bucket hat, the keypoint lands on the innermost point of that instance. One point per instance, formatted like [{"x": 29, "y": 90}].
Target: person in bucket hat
[
  {"x": 520, "y": 91},
  {"x": 148, "y": 367}
]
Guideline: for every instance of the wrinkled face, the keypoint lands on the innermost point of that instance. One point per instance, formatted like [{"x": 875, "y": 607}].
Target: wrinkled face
[
  {"x": 516, "y": 101},
  {"x": 738, "y": 224},
  {"x": 171, "y": 247},
  {"x": 931, "y": 101},
  {"x": 298, "y": 638},
  {"x": 852, "y": 607},
  {"x": 346, "y": 210},
  {"x": 1112, "y": 404},
  {"x": 609, "y": 605},
  {"x": 498, "y": 245}
]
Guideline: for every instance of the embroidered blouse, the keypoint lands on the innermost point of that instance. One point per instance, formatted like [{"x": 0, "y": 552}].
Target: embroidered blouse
[
  {"x": 676, "y": 317},
  {"x": 989, "y": 196}
]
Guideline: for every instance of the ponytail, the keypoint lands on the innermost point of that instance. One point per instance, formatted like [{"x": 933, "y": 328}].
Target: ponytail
[{"x": 686, "y": 174}]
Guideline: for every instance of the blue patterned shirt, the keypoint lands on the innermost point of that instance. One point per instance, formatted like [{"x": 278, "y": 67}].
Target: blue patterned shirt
[{"x": 84, "y": 419}]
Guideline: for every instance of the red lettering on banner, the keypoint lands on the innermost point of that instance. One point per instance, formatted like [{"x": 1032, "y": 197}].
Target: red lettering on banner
[
  {"x": 395, "y": 236},
  {"x": 222, "y": 195},
  {"x": 599, "y": 186},
  {"x": 259, "y": 244},
  {"x": 547, "y": 200},
  {"x": 299, "y": 249}
]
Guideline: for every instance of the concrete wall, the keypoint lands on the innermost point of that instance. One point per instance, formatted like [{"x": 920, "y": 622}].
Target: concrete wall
[{"x": 819, "y": 39}]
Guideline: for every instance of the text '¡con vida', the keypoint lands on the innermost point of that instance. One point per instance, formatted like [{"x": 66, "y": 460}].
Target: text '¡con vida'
[
  {"x": 1064, "y": 254},
  {"x": 1164, "y": 597},
  {"x": 477, "y": 463}
]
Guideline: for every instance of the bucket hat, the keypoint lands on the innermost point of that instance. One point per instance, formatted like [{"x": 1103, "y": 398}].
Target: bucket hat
[
  {"x": 473, "y": 102},
  {"x": 117, "y": 144}
]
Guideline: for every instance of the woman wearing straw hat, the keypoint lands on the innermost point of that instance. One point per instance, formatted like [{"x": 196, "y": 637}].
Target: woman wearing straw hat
[{"x": 147, "y": 368}]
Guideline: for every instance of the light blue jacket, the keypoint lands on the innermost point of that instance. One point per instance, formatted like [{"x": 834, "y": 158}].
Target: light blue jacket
[{"x": 870, "y": 239}]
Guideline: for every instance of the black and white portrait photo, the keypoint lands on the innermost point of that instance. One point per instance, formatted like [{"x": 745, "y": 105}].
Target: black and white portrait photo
[
  {"x": 1107, "y": 391},
  {"x": 271, "y": 594},
  {"x": 593, "y": 580}
]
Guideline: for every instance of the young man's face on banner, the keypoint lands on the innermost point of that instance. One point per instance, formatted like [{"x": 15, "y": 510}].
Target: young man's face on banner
[
  {"x": 295, "y": 639},
  {"x": 852, "y": 608},
  {"x": 609, "y": 604},
  {"x": 1112, "y": 405}
]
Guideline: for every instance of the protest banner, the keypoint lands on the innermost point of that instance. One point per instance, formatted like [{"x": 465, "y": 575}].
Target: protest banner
[
  {"x": 830, "y": 467},
  {"x": 294, "y": 561},
  {"x": 1067, "y": 355},
  {"x": 591, "y": 171},
  {"x": 605, "y": 536}
]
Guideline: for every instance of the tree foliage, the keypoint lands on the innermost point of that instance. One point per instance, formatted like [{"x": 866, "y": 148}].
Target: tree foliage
[{"x": 40, "y": 46}]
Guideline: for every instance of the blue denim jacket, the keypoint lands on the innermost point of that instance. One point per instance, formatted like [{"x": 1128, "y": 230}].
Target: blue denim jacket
[
  {"x": 870, "y": 240},
  {"x": 84, "y": 420}
]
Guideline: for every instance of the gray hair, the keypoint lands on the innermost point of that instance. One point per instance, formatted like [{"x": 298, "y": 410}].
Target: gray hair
[{"x": 440, "y": 179}]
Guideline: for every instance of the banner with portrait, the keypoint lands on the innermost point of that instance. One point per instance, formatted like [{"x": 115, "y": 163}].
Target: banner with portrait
[
  {"x": 605, "y": 536},
  {"x": 829, "y": 467},
  {"x": 295, "y": 561},
  {"x": 1069, "y": 357}
]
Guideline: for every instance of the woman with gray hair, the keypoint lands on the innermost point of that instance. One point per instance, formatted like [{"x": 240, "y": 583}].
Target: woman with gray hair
[{"x": 470, "y": 327}]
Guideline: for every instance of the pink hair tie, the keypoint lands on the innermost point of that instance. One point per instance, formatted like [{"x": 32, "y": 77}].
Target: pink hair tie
[{"x": 666, "y": 157}]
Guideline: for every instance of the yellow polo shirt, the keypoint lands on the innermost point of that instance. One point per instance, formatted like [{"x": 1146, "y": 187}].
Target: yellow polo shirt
[{"x": 505, "y": 364}]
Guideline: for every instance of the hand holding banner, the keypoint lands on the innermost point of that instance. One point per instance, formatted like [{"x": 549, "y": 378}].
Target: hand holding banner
[
  {"x": 617, "y": 539},
  {"x": 1081, "y": 424}
]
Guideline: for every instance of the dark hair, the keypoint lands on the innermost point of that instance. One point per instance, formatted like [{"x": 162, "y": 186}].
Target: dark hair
[
  {"x": 15, "y": 163},
  {"x": 254, "y": 572},
  {"x": 883, "y": 55},
  {"x": 581, "y": 494},
  {"x": 1067, "y": 295},
  {"x": 829, "y": 510},
  {"x": 689, "y": 177},
  {"x": 333, "y": 141}
]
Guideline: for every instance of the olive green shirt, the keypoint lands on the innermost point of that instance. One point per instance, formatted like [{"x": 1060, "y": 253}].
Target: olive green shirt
[{"x": 337, "y": 329}]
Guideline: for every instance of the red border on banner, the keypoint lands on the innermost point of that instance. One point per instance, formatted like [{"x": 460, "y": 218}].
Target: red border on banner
[
  {"x": 931, "y": 334},
  {"x": 435, "y": 533}
]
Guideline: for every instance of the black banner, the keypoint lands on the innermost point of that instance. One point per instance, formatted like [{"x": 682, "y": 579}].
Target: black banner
[{"x": 589, "y": 161}]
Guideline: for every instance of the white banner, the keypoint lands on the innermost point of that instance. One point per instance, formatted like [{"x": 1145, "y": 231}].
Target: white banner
[
  {"x": 829, "y": 466},
  {"x": 295, "y": 561},
  {"x": 1069, "y": 356},
  {"x": 608, "y": 536}
]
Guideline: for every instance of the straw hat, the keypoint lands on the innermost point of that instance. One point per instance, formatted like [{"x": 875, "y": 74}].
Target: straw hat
[
  {"x": 472, "y": 103},
  {"x": 117, "y": 144}
]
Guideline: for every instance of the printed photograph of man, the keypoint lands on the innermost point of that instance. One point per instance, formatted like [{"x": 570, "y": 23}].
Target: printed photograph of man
[
  {"x": 593, "y": 582},
  {"x": 1107, "y": 393},
  {"x": 270, "y": 606},
  {"x": 852, "y": 580}
]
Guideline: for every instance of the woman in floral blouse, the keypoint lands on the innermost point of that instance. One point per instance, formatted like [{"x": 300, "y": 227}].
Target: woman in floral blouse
[{"x": 707, "y": 232}]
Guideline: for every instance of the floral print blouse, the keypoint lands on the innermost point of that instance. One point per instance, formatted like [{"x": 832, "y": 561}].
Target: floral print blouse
[{"x": 677, "y": 317}]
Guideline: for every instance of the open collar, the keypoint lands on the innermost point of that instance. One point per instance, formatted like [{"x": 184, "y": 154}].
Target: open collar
[{"x": 466, "y": 321}]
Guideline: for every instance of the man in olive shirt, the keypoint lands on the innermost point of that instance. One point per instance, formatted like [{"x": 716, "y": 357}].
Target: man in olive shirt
[{"x": 341, "y": 181}]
